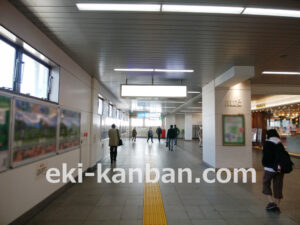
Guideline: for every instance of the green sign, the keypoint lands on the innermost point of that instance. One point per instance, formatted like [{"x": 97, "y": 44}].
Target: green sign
[{"x": 233, "y": 130}]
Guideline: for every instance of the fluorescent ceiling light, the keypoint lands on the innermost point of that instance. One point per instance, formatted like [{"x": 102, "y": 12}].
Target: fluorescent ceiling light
[
  {"x": 202, "y": 9},
  {"x": 153, "y": 91},
  {"x": 194, "y": 92},
  {"x": 7, "y": 34},
  {"x": 134, "y": 70},
  {"x": 281, "y": 73},
  {"x": 173, "y": 71},
  {"x": 272, "y": 12},
  {"x": 119, "y": 7}
]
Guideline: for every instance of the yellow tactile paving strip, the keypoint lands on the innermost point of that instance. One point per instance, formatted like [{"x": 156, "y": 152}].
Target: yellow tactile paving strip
[{"x": 154, "y": 212}]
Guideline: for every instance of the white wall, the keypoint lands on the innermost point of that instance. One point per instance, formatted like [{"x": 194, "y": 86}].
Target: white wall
[
  {"x": 20, "y": 188},
  {"x": 188, "y": 126}
]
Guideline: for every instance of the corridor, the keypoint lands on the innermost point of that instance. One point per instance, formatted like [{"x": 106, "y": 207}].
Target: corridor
[{"x": 92, "y": 203}]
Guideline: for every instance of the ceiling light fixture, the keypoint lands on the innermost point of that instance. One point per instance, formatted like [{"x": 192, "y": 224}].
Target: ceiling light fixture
[
  {"x": 202, "y": 9},
  {"x": 272, "y": 12},
  {"x": 281, "y": 73},
  {"x": 173, "y": 71},
  {"x": 164, "y": 91},
  {"x": 133, "y": 70},
  {"x": 119, "y": 7},
  {"x": 194, "y": 92}
]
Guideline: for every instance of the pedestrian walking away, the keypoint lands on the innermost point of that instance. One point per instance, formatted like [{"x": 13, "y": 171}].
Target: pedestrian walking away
[
  {"x": 150, "y": 135},
  {"x": 114, "y": 140},
  {"x": 158, "y": 132},
  {"x": 171, "y": 136}
]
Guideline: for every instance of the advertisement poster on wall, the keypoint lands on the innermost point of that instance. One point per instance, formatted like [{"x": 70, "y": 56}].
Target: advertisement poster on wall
[
  {"x": 4, "y": 131},
  {"x": 69, "y": 130},
  {"x": 34, "y": 131},
  {"x": 233, "y": 130}
]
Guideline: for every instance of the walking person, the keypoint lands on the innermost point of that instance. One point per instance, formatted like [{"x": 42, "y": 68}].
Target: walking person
[
  {"x": 200, "y": 135},
  {"x": 171, "y": 135},
  {"x": 150, "y": 135},
  {"x": 158, "y": 132},
  {"x": 177, "y": 132},
  {"x": 114, "y": 140},
  {"x": 276, "y": 162},
  {"x": 134, "y": 133}
]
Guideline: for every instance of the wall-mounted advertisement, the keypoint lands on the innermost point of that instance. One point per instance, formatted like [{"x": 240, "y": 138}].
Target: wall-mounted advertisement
[
  {"x": 34, "y": 131},
  {"x": 4, "y": 131},
  {"x": 233, "y": 130},
  {"x": 69, "y": 129}
]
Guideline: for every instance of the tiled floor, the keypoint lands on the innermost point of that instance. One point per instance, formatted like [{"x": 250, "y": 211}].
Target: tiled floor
[{"x": 91, "y": 203}]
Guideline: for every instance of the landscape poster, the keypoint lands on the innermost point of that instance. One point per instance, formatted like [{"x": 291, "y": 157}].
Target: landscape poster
[
  {"x": 233, "y": 130},
  {"x": 69, "y": 135},
  {"x": 34, "y": 131},
  {"x": 4, "y": 131}
]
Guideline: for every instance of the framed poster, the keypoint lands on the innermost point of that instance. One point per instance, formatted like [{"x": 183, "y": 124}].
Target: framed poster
[
  {"x": 35, "y": 127},
  {"x": 5, "y": 106},
  {"x": 233, "y": 130},
  {"x": 69, "y": 130}
]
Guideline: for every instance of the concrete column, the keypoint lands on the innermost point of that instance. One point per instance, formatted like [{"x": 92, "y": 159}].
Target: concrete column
[
  {"x": 188, "y": 126},
  {"x": 227, "y": 97}
]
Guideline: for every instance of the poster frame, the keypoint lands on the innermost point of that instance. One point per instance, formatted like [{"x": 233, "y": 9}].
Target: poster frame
[
  {"x": 12, "y": 135},
  {"x": 58, "y": 127},
  {"x": 242, "y": 143}
]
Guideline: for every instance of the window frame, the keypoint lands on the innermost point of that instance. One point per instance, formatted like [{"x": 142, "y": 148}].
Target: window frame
[{"x": 17, "y": 74}]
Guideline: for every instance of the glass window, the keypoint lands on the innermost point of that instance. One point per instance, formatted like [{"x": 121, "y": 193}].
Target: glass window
[
  {"x": 34, "y": 78},
  {"x": 7, "y": 64},
  {"x": 137, "y": 122},
  {"x": 110, "y": 111},
  {"x": 153, "y": 122},
  {"x": 100, "y": 106}
]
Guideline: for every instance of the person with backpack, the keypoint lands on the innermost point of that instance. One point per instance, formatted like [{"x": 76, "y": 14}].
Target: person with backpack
[
  {"x": 150, "y": 134},
  {"x": 276, "y": 162}
]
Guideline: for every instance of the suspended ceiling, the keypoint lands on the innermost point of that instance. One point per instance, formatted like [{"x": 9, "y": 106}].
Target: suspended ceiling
[{"x": 207, "y": 43}]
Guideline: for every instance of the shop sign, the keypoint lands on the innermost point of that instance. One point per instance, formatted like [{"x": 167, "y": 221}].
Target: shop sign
[
  {"x": 233, "y": 103},
  {"x": 260, "y": 105}
]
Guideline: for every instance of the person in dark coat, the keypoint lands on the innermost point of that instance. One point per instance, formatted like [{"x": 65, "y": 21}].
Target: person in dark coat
[
  {"x": 171, "y": 136},
  {"x": 272, "y": 170},
  {"x": 158, "y": 132},
  {"x": 150, "y": 135}
]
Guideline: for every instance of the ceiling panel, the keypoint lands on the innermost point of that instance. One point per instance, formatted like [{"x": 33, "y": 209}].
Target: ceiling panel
[{"x": 209, "y": 44}]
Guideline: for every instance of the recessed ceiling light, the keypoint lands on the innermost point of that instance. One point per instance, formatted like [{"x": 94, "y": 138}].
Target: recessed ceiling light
[
  {"x": 201, "y": 9},
  {"x": 119, "y": 7},
  {"x": 194, "y": 92},
  {"x": 272, "y": 12},
  {"x": 281, "y": 73},
  {"x": 7, "y": 34},
  {"x": 134, "y": 70},
  {"x": 173, "y": 71}
]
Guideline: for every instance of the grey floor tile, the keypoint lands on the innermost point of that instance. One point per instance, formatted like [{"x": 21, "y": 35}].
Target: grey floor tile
[
  {"x": 209, "y": 222},
  {"x": 105, "y": 213}
]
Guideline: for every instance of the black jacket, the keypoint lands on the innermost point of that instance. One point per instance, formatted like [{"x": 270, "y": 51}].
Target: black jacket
[
  {"x": 271, "y": 154},
  {"x": 171, "y": 133}
]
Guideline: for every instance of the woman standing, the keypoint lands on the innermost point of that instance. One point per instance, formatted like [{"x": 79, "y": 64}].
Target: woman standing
[{"x": 272, "y": 170}]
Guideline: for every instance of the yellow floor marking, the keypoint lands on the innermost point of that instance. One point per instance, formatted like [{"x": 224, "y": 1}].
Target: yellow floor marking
[{"x": 154, "y": 212}]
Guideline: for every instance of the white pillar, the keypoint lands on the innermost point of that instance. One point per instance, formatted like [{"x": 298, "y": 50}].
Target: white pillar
[
  {"x": 229, "y": 99},
  {"x": 188, "y": 126}
]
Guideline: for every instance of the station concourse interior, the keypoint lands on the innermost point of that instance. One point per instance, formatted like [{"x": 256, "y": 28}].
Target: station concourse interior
[{"x": 224, "y": 72}]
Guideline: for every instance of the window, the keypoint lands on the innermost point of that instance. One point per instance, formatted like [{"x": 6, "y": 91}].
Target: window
[
  {"x": 25, "y": 70},
  {"x": 35, "y": 78},
  {"x": 7, "y": 65},
  {"x": 153, "y": 122},
  {"x": 137, "y": 122},
  {"x": 110, "y": 111},
  {"x": 100, "y": 106}
]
